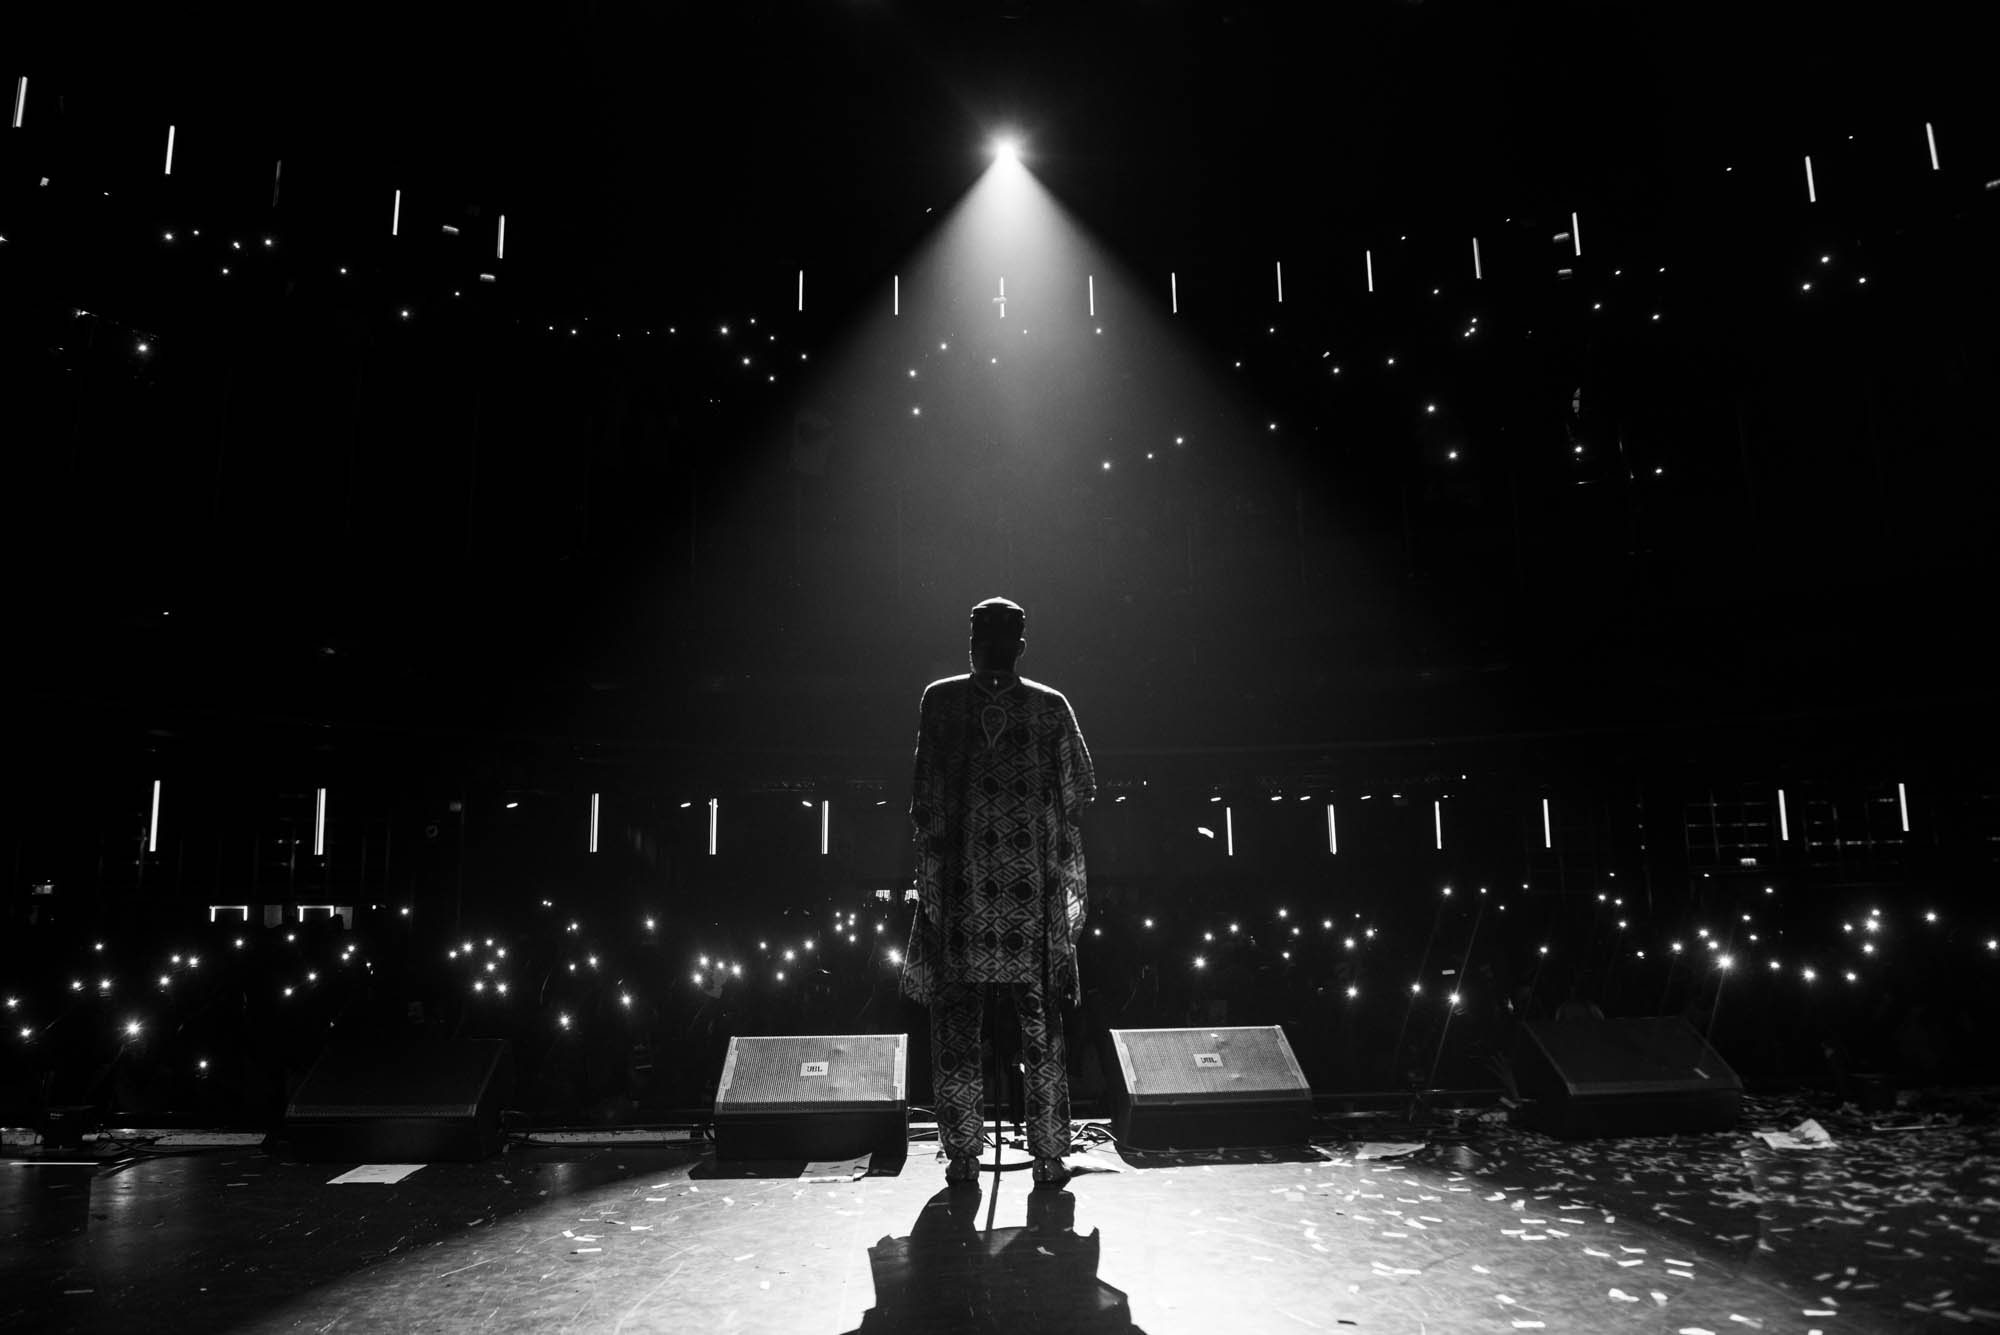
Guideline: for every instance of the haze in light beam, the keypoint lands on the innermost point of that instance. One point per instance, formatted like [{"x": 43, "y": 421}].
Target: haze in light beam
[{"x": 1001, "y": 475}]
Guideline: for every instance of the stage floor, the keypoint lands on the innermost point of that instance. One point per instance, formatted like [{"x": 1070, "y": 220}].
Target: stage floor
[{"x": 1494, "y": 1229}]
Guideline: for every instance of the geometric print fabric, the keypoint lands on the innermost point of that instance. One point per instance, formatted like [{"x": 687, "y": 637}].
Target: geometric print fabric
[
  {"x": 1001, "y": 774},
  {"x": 958, "y": 1077}
]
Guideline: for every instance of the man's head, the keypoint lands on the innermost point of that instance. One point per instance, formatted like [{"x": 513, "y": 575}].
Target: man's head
[{"x": 999, "y": 635}]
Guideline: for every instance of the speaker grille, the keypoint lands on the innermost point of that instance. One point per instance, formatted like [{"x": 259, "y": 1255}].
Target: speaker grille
[
  {"x": 807, "y": 1073},
  {"x": 1628, "y": 1077},
  {"x": 1626, "y": 1056},
  {"x": 1251, "y": 1064},
  {"x": 401, "y": 1098},
  {"x": 405, "y": 1079}
]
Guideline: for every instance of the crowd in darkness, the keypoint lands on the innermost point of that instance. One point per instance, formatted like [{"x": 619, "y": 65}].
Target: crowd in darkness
[
  {"x": 670, "y": 1055},
  {"x": 1381, "y": 1041},
  {"x": 658, "y": 1055}
]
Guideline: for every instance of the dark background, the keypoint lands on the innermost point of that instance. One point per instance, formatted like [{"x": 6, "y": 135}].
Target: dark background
[{"x": 353, "y": 516}]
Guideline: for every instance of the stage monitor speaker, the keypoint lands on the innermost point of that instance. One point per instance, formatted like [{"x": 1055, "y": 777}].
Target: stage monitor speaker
[
  {"x": 402, "y": 1099},
  {"x": 1206, "y": 1088},
  {"x": 813, "y": 1096},
  {"x": 1631, "y": 1077}
]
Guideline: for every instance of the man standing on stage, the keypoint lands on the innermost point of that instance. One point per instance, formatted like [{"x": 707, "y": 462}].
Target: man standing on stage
[{"x": 1001, "y": 776}]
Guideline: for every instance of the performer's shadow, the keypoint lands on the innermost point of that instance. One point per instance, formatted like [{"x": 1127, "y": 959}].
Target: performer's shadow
[{"x": 950, "y": 1275}]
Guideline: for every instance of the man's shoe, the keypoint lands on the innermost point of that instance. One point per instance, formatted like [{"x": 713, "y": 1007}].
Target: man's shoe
[
  {"x": 1050, "y": 1173},
  {"x": 962, "y": 1169}
]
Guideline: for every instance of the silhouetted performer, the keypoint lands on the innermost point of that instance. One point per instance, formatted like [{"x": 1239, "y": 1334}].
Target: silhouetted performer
[{"x": 1001, "y": 776}]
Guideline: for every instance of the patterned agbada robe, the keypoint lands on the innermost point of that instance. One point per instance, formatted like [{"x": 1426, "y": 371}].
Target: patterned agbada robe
[{"x": 1001, "y": 776}]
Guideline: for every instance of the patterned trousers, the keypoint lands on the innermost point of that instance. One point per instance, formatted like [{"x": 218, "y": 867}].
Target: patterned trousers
[{"x": 958, "y": 1078}]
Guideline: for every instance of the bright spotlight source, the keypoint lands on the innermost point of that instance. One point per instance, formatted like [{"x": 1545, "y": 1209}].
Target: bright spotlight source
[{"x": 1006, "y": 150}]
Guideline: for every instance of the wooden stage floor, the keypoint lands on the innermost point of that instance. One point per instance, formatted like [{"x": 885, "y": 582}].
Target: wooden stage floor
[{"x": 1492, "y": 1229}]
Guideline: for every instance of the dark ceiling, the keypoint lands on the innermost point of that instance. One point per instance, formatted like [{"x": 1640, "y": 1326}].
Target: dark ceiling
[
  {"x": 665, "y": 136},
  {"x": 649, "y": 157}
]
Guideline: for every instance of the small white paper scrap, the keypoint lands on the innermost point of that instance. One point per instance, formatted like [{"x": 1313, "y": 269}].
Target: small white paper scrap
[
  {"x": 837, "y": 1170},
  {"x": 375, "y": 1172},
  {"x": 1387, "y": 1149},
  {"x": 1807, "y": 1135}
]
